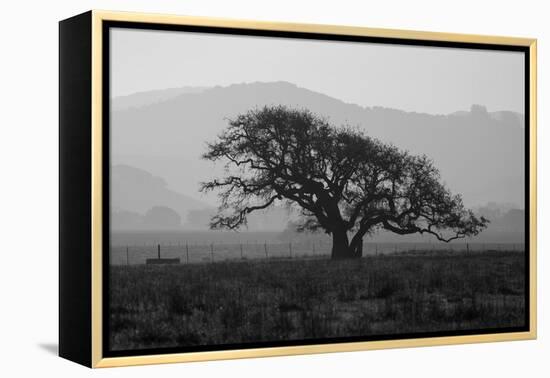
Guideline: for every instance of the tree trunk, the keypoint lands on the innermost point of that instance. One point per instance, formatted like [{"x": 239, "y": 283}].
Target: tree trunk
[
  {"x": 341, "y": 248},
  {"x": 358, "y": 251}
]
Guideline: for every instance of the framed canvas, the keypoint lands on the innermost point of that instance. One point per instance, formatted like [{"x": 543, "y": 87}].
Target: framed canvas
[{"x": 234, "y": 189}]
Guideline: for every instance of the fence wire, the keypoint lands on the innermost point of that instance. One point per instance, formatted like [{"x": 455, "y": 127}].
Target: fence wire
[{"x": 204, "y": 252}]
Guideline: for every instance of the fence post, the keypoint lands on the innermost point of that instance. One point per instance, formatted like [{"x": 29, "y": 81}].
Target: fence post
[
  {"x": 241, "y": 246},
  {"x": 187, "y": 251},
  {"x": 468, "y": 248},
  {"x": 127, "y": 256},
  {"x": 211, "y": 252},
  {"x": 265, "y": 249},
  {"x": 290, "y": 249},
  {"x": 158, "y": 250}
]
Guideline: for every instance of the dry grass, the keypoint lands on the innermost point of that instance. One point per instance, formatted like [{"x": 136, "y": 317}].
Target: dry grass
[{"x": 253, "y": 301}]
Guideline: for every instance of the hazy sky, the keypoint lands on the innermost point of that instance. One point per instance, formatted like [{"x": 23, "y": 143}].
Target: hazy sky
[{"x": 423, "y": 79}]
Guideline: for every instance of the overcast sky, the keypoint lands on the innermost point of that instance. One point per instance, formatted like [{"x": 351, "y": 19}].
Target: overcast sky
[{"x": 423, "y": 79}]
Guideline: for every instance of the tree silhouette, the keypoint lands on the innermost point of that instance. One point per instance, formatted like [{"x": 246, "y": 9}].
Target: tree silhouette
[{"x": 343, "y": 182}]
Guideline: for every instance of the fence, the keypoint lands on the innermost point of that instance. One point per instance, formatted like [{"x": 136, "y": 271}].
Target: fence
[{"x": 201, "y": 252}]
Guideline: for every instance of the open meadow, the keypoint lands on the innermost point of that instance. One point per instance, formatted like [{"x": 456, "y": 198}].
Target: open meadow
[{"x": 266, "y": 300}]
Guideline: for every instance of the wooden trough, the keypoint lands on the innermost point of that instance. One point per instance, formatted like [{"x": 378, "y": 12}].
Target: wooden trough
[{"x": 160, "y": 260}]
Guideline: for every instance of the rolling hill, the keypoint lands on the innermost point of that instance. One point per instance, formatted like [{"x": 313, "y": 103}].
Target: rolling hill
[{"x": 134, "y": 192}]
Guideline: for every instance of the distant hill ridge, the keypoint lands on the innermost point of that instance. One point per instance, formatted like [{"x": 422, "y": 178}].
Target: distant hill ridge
[
  {"x": 134, "y": 190},
  {"x": 145, "y": 98},
  {"x": 139, "y": 99}
]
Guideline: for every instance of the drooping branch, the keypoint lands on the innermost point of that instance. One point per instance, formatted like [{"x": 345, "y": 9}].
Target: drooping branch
[{"x": 237, "y": 219}]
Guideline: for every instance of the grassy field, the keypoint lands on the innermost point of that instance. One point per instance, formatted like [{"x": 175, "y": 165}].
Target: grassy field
[{"x": 277, "y": 299}]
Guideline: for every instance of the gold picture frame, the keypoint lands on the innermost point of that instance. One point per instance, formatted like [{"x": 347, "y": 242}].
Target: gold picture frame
[{"x": 92, "y": 23}]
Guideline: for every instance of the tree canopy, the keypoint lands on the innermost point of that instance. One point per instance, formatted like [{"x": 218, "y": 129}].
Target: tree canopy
[{"x": 342, "y": 181}]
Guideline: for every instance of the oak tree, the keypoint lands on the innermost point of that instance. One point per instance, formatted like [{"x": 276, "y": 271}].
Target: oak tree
[{"x": 342, "y": 181}]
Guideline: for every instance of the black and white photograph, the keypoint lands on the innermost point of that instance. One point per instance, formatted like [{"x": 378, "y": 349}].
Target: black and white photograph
[
  {"x": 279, "y": 189},
  {"x": 275, "y": 189}
]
